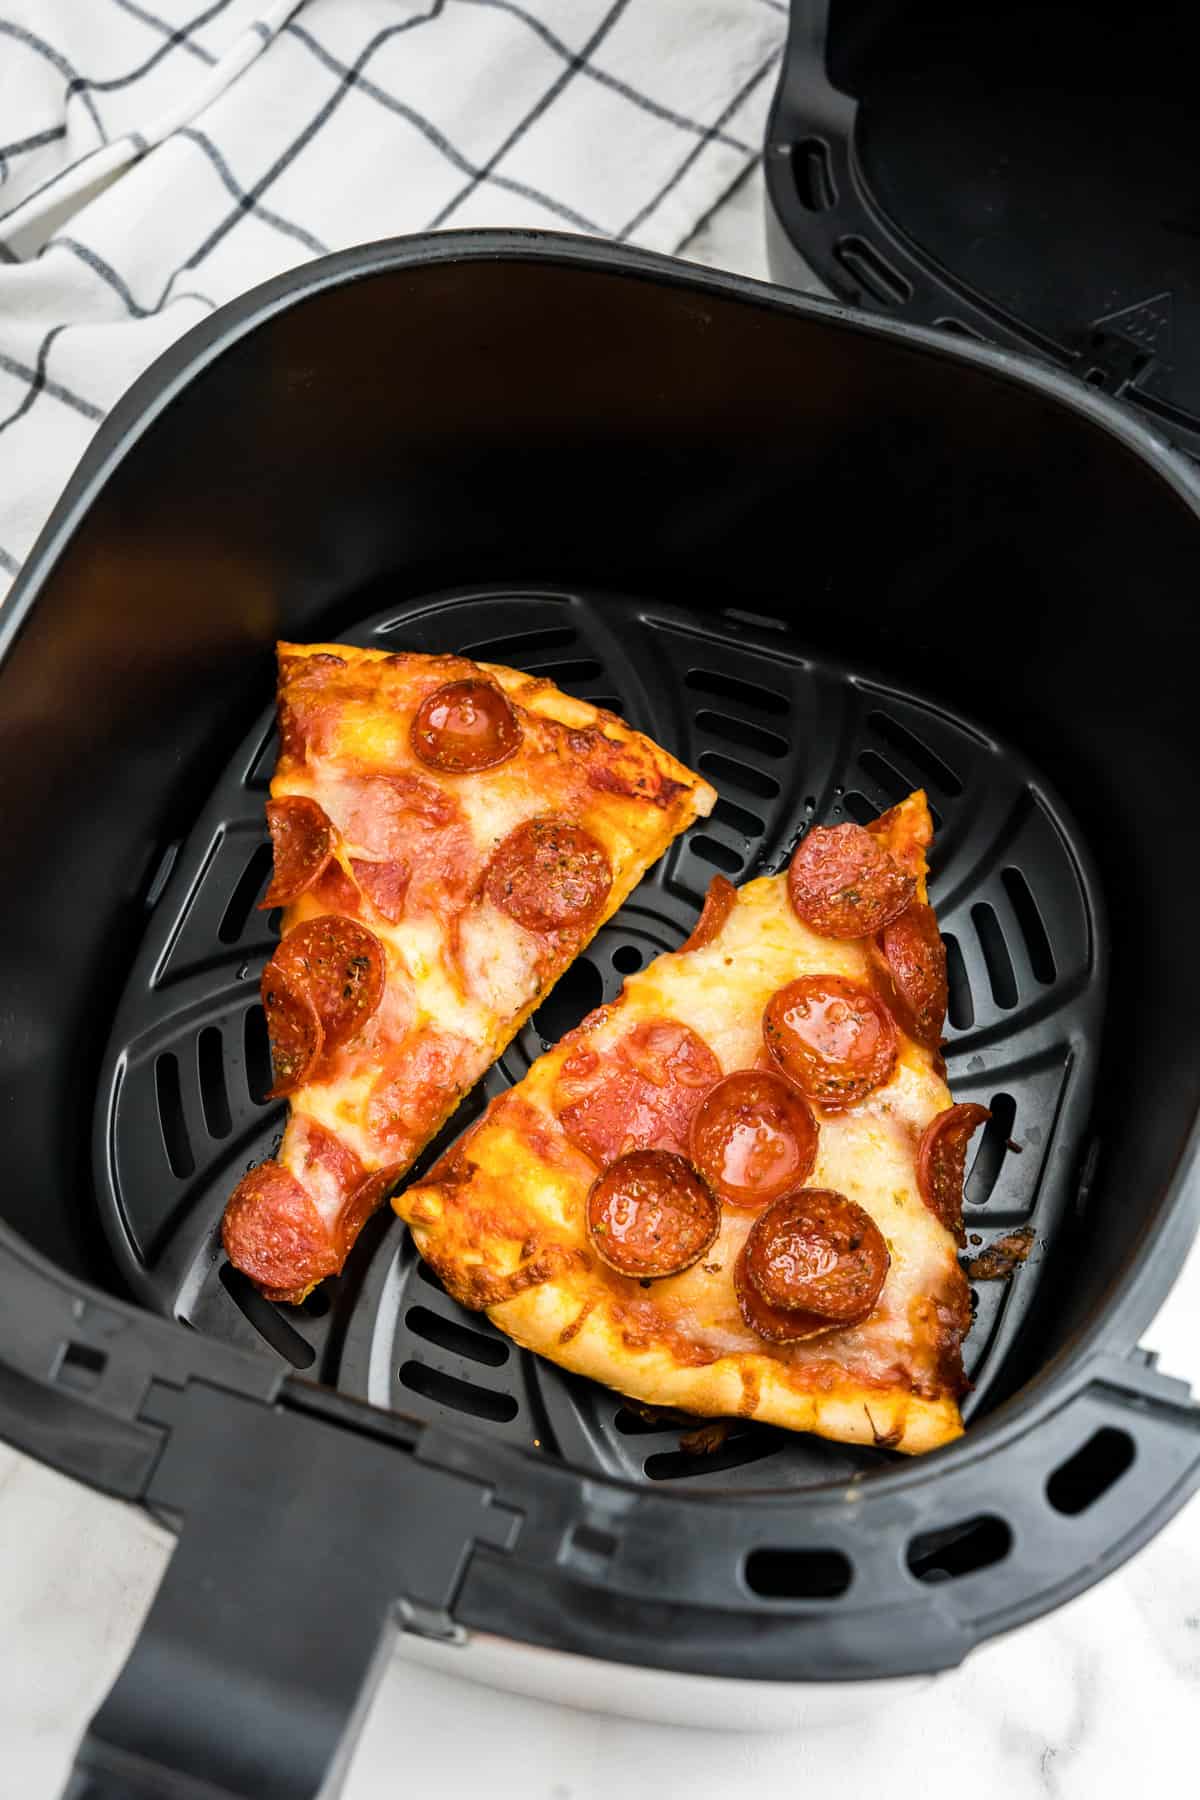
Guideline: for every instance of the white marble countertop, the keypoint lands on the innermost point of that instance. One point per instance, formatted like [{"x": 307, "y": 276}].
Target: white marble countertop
[{"x": 1098, "y": 1701}]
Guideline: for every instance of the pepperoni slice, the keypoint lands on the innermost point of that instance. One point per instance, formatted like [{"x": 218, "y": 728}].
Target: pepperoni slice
[
  {"x": 650, "y": 1215},
  {"x": 302, "y": 842},
  {"x": 641, "y": 1095},
  {"x": 843, "y": 884},
  {"x": 754, "y": 1138},
  {"x": 719, "y": 902},
  {"x": 915, "y": 957},
  {"x": 817, "y": 1252},
  {"x": 834, "y": 1039},
  {"x": 778, "y": 1324},
  {"x": 549, "y": 875},
  {"x": 942, "y": 1162},
  {"x": 294, "y": 1029},
  {"x": 464, "y": 726},
  {"x": 385, "y": 884},
  {"x": 273, "y": 1233},
  {"x": 340, "y": 966}
]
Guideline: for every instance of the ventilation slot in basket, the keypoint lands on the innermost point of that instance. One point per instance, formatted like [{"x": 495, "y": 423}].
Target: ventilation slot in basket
[
  {"x": 257, "y": 1047},
  {"x": 460, "y": 1396},
  {"x": 742, "y": 733},
  {"x": 1087, "y": 1476},
  {"x": 583, "y": 668},
  {"x": 753, "y": 781},
  {"x": 717, "y": 855},
  {"x": 169, "y": 1100},
  {"x": 961, "y": 1008},
  {"x": 738, "y": 819},
  {"x": 520, "y": 645},
  {"x": 861, "y": 810},
  {"x": 456, "y": 1339},
  {"x": 250, "y": 884},
  {"x": 798, "y": 1574},
  {"x": 958, "y": 1550},
  {"x": 728, "y": 687},
  {"x": 210, "y": 1062},
  {"x": 995, "y": 955},
  {"x": 895, "y": 785},
  {"x": 1037, "y": 944},
  {"x": 927, "y": 763},
  {"x": 993, "y": 1148},
  {"x": 267, "y": 1319}
]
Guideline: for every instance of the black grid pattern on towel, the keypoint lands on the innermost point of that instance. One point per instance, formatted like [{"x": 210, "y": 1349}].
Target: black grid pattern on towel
[{"x": 308, "y": 27}]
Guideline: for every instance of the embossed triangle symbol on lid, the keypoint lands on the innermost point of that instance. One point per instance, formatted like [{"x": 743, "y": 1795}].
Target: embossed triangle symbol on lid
[{"x": 1147, "y": 322}]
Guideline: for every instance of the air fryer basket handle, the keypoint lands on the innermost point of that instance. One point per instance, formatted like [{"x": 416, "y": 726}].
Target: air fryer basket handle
[{"x": 311, "y": 1527}]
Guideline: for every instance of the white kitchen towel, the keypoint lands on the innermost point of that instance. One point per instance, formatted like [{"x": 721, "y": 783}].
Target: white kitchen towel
[{"x": 158, "y": 159}]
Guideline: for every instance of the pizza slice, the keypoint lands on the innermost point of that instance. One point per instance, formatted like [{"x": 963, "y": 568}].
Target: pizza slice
[
  {"x": 737, "y": 1190},
  {"x": 447, "y": 836}
]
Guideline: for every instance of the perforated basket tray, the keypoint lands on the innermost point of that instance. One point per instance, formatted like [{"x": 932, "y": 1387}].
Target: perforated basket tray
[{"x": 788, "y": 739}]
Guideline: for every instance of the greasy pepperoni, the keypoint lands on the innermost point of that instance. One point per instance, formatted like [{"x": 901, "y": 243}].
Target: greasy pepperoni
[
  {"x": 408, "y": 1100},
  {"x": 843, "y": 884},
  {"x": 778, "y": 1324},
  {"x": 942, "y": 1162},
  {"x": 719, "y": 902},
  {"x": 294, "y": 1029},
  {"x": 273, "y": 1233},
  {"x": 385, "y": 884},
  {"x": 549, "y": 875},
  {"x": 302, "y": 842},
  {"x": 833, "y": 1038},
  {"x": 817, "y": 1252},
  {"x": 641, "y": 1095},
  {"x": 650, "y": 1214},
  {"x": 754, "y": 1138},
  {"x": 465, "y": 725},
  {"x": 340, "y": 966},
  {"x": 915, "y": 957}
]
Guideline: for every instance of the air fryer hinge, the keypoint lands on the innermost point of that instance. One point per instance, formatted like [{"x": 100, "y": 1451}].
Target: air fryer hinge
[{"x": 304, "y": 1540}]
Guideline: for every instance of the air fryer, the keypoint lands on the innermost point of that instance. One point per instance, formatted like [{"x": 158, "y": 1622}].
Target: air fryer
[{"x": 824, "y": 559}]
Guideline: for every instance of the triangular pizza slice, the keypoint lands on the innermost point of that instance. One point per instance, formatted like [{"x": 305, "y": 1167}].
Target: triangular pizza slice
[
  {"x": 448, "y": 835},
  {"x": 737, "y": 1190}
]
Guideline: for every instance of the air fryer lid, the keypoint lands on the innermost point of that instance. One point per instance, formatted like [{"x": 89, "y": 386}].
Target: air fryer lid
[
  {"x": 734, "y": 489},
  {"x": 1026, "y": 174}
]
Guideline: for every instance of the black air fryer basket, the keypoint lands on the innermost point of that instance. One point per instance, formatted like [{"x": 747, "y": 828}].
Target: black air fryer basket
[{"x": 822, "y": 558}]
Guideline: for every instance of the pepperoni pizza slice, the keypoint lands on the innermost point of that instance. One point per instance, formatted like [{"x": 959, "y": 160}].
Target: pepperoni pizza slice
[
  {"x": 447, "y": 835},
  {"x": 737, "y": 1190}
]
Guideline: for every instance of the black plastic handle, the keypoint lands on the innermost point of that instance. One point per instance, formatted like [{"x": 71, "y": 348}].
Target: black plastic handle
[{"x": 310, "y": 1528}]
